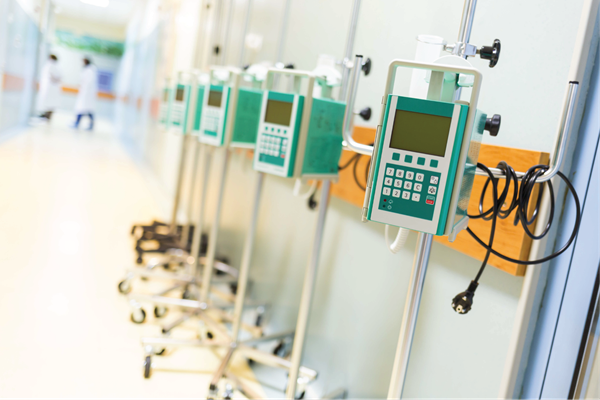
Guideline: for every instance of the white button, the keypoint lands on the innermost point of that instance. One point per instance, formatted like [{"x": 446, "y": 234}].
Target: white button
[
  {"x": 388, "y": 181},
  {"x": 400, "y": 173},
  {"x": 432, "y": 190},
  {"x": 386, "y": 191},
  {"x": 407, "y": 185},
  {"x": 420, "y": 177},
  {"x": 418, "y": 187},
  {"x": 434, "y": 180},
  {"x": 409, "y": 175},
  {"x": 396, "y": 193},
  {"x": 284, "y": 141},
  {"x": 389, "y": 171},
  {"x": 416, "y": 197},
  {"x": 398, "y": 183},
  {"x": 406, "y": 195}
]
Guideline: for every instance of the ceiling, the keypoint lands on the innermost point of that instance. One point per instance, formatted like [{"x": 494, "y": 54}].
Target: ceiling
[{"x": 117, "y": 12}]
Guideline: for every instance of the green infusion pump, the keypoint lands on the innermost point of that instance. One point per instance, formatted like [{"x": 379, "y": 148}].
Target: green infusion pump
[
  {"x": 416, "y": 164},
  {"x": 247, "y": 118},
  {"x": 213, "y": 118},
  {"x": 286, "y": 148},
  {"x": 179, "y": 108}
]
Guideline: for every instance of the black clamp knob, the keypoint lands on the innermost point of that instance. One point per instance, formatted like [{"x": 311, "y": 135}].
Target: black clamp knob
[
  {"x": 365, "y": 113},
  {"x": 289, "y": 66},
  {"x": 366, "y": 66},
  {"x": 491, "y": 53},
  {"x": 492, "y": 125}
]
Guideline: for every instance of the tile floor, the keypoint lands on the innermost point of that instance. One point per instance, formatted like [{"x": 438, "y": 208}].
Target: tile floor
[{"x": 67, "y": 201}]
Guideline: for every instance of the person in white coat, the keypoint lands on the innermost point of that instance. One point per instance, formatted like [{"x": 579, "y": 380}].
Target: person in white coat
[
  {"x": 88, "y": 93},
  {"x": 49, "y": 94}
]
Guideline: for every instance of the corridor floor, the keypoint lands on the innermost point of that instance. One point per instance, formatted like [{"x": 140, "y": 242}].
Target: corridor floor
[{"x": 67, "y": 200}]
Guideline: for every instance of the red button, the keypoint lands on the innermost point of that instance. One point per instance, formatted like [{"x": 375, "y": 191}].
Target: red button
[
  {"x": 282, "y": 156},
  {"x": 429, "y": 201}
]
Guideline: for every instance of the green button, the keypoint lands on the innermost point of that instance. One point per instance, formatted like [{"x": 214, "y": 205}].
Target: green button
[
  {"x": 396, "y": 156},
  {"x": 278, "y": 130},
  {"x": 421, "y": 161},
  {"x": 433, "y": 163},
  {"x": 408, "y": 159}
]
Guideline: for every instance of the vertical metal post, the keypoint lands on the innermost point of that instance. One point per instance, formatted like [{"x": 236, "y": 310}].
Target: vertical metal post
[
  {"x": 307, "y": 292},
  {"x": 179, "y": 184},
  {"x": 205, "y": 155},
  {"x": 244, "y": 33},
  {"x": 282, "y": 35},
  {"x": 410, "y": 315},
  {"x": 421, "y": 261},
  {"x": 246, "y": 260},
  {"x": 214, "y": 232},
  {"x": 225, "y": 45},
  {"x": 349, "y": 50},
  {"x": 185, "y": 234}
]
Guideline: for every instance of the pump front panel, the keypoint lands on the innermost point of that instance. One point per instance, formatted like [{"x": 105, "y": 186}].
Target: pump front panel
[
  {"x": 165, "y": 102},
  {"x": 278, "y": 131},
  {"x": 179, "y": 108},
  {"x": 214, "y": 115},
  {"x": 416, "y": 163}
]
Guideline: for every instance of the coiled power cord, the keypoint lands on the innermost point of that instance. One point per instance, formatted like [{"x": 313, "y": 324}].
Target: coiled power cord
[{"x": 519, "y": 199}]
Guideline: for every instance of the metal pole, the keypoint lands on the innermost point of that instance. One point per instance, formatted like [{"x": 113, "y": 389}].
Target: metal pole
[
  {"x": 214, "y": 232},
  {"x": 466, "y": 23},
  {"x": 349, "y": 50},
  {"x": 179, "y": 184},
  {"x": 246, "y": 260},
  {"x": 244, "y": 33},
  {"x": 282, "y": 34},
  {"x": 197, "y": 239},
  {"x": 411, "y": 313},
  {"x": 227, "y": 32},
  {"x": 307, "y": 292},
  {"x": 185, "y": 234},
  {"x": 420, "y": 263}
]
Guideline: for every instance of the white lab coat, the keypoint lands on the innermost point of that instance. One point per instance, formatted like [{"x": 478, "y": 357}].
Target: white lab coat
[
  {"x": 88, "y": 91},
  {"x": 49, "y": 94}
]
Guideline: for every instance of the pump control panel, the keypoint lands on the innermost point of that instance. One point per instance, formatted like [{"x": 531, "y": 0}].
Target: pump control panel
[
  {"x": 178, "y": 110},
  {"x": 278, "y": 133},
  {"x": 214, "y": 115},
  {"x": 416, "y": 163}
]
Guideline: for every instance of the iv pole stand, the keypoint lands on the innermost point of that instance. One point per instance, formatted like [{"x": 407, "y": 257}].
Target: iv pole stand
[
  {"x": 311, "y": 271},
  {"x": 421, "y": 261}
]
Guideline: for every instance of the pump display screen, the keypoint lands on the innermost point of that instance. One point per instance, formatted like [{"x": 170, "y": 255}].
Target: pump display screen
[
  {"x": 278, "y": 112},
  {"x": 214, "y": 98},
  {"x": 179, "y": 94},
  {"x": 421, "y": 133}
]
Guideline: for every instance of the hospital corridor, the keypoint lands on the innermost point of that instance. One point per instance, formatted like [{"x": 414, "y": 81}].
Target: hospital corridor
[{"x": 299, "y": 199}]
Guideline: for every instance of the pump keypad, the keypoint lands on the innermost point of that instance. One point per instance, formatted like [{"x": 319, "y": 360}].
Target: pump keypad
[
  {"x": 273, "y": 149},
  {"x": 414, "y": 195}
]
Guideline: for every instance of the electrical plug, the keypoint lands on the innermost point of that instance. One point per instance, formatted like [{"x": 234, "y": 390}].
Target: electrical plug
[{"x": 463, "y": 301}]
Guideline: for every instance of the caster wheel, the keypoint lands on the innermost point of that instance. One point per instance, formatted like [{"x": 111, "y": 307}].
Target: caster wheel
[
  {"x": 124, "y": 286},
  {"x": 161, "y": 352},
  {"x": 188, "y": 295},
  {"x": 138, "y": 316},
  {"x": 160, "y": 311},
  {"x": 278, "y": 350},
  {"x": 233, "y": 288},
  {"x": 147, "y": 367}
]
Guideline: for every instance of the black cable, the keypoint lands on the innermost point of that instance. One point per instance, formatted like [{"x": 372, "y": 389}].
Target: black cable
[
  {"x": 519, "y": 201},
  {"x": 354, "y": 160}
]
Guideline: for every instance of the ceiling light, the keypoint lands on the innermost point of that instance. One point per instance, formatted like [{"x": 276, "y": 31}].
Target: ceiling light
[{"x": 97, "y": 3}]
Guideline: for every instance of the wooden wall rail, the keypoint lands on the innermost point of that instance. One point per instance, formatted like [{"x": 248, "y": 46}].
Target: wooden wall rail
[{"x": 510, "y": 240}]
